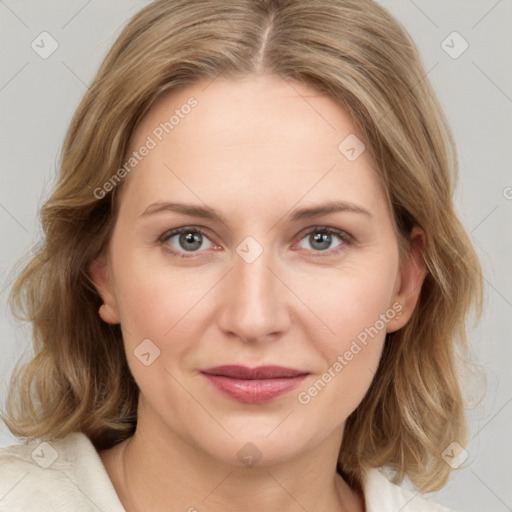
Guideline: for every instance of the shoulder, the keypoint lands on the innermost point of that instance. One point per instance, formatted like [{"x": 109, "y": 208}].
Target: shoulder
[
  {"x": 381, "y": 495},
  {"x": 62, "y": 474}
]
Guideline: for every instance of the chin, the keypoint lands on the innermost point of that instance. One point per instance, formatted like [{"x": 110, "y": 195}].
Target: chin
[{"x": 253, "y": 448}]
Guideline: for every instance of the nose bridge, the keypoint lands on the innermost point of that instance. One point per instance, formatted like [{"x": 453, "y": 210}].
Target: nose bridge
[
  {"x": 253, "y": 277},
  {"x": 255, "y": 305}
]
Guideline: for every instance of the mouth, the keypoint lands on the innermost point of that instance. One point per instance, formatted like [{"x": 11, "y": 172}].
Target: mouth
[{"x": 254, "y": 385}]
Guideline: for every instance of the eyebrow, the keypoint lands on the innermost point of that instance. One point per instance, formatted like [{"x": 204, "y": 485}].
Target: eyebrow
[{"x": 295, "y": 215}]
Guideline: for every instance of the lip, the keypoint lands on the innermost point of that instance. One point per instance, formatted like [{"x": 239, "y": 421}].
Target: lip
[{"x": 254, "y": 385}]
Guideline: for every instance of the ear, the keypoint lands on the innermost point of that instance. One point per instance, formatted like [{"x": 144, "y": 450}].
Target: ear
[
  {"x": 99, "y": 271},
  {"x": 410, "y": 279}
]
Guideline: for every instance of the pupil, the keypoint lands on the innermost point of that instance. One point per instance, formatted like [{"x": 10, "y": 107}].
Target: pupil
[
  {"x": 323, "y": 238},
  {"x": 190, "y": 238}
]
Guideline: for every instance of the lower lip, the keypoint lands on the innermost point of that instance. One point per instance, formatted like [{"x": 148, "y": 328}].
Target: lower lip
[{"x": 255, "y": 391}]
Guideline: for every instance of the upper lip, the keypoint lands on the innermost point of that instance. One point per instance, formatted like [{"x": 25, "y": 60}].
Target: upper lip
[{"x": 260, "y": 372}]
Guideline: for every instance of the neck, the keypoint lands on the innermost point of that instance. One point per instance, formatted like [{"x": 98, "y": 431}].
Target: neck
[{"x": 156, "y": 468}]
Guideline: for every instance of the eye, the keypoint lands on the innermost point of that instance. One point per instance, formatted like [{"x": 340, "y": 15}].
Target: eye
[
  {"x": 320, "y": 239},
  {"x": 188, "y": 239}
]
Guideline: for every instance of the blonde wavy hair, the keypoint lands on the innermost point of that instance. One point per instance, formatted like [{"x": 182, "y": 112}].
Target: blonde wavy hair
[{"x": 358, "y": 54}]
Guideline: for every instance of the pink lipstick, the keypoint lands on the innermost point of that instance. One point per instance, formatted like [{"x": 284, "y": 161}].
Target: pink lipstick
[{"x": 254, "y": 385}]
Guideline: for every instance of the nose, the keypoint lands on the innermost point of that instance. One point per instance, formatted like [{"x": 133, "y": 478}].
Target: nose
[{"x": 255, "y": 302}]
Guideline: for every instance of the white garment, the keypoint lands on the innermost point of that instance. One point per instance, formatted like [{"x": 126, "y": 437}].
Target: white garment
[{"x": 68, "y": 475}]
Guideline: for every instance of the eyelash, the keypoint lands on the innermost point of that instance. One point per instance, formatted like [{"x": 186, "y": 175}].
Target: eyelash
[{"x": 345, "y": 237}]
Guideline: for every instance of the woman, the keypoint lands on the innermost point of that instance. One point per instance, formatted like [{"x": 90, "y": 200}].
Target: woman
[{"x": 307, "y": 339}]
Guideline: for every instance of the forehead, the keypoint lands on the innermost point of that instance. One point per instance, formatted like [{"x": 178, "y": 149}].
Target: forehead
[
  {"x": 250, "y": 111},
  {"x": 257, "y": 137}
]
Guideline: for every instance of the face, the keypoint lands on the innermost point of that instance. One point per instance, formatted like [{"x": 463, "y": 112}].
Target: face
[{"x": 265, "y": 281}]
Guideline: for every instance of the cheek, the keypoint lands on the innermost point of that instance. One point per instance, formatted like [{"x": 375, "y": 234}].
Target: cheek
[
  {"x": 156, "y": 310},
  {"x": 329, "y": 399},
  {"x": 152, "y": 298},
  {"x": 356, "y": 308},
  {"x": 353, "y": 303},
  {"x": 168, "y": 305},
  {"x": 351, "y": 356}
]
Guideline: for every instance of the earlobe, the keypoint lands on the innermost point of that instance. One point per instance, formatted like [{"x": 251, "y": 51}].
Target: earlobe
[
  {"x": 102, "y": 280},
  {"x": 412, "y": 274},
  {"x": 108, "y": 315}
]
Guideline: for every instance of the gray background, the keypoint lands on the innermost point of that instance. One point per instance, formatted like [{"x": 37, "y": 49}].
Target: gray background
[{"x": 38, "y": 97}]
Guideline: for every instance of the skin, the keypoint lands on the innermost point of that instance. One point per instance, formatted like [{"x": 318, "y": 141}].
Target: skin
[{"x": 253, "y": 149}]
